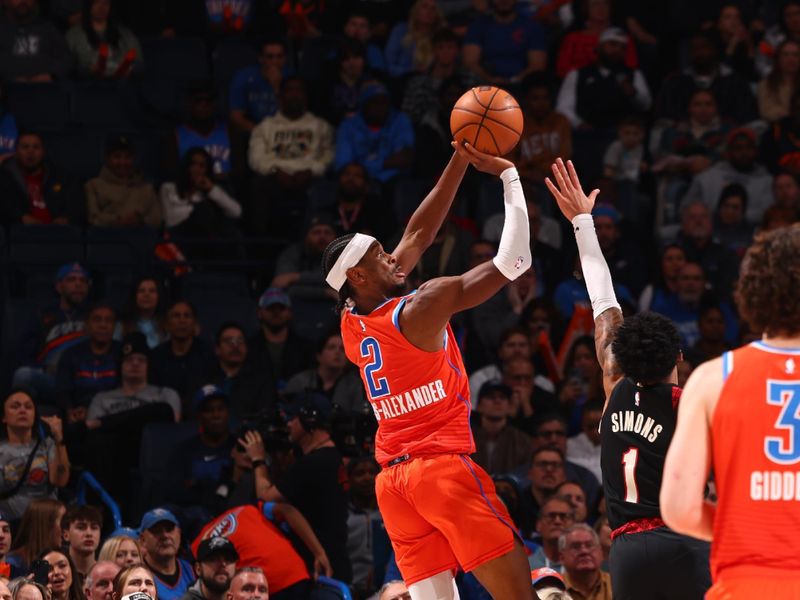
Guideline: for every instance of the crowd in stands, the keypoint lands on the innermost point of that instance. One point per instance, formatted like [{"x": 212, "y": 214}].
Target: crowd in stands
[{"x": 170, "y": 174}]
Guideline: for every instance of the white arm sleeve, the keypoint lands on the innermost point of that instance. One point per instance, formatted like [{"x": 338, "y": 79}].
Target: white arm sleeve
[
  {"x": 595, "y": 270},
  {"x": 514, "y": 251}
]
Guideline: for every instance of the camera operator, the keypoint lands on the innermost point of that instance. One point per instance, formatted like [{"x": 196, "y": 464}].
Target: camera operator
[{"x": 314, "y": 482}]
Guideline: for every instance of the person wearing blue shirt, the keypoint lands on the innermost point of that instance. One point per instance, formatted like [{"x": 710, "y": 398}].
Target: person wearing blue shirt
[
  {"x": 160, "y": 538},
  {"x": 8, "y": 135},
  {"x": 254, "y": 90},
  {"x": 202, "y": 129},
  {"x": 378, "y": 137},
  {"x": 504, "y": 47},
  {"x": 409, "y": 47}
]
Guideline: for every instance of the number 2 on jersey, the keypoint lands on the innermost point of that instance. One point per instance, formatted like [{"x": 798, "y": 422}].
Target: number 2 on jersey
[
  {"x": 629, "y": 460},
  {"x": 377, "y": 386}
]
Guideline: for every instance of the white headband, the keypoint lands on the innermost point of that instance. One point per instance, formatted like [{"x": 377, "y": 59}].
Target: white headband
[{"x": 354, "y": 251}]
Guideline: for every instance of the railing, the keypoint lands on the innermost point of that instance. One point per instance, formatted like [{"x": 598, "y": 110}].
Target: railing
[{"x": 87, "y": 480}]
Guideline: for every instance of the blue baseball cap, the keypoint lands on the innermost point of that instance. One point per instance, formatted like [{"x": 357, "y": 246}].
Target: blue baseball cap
[
  {"x": 371, "y": 90},
  {"x": 157, "y": 515},
  {"x": 207, "y": 392},
  {"x": 69, "y": 269},
  {"x": 274, "y": 295},
  {"x": 605, "y": 210}
]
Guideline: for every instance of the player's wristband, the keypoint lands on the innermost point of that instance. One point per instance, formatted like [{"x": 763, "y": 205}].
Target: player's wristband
[{"x": 258, "y": 463}]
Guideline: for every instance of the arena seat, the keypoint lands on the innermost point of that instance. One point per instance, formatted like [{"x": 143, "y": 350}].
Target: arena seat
[
  {"x": 328, "y": 588},
  {"x": 78, "y": 153},
  {"x": 212, "y": 314},
  {"x": 207, "y": 286},
  {"x": 229, "y": 56},
  {"x": 181, "y": 59},
  {"x": 104, "y": 105},
  {"x": 39, "y": 106},
  {"x": 158, "y": 441}
]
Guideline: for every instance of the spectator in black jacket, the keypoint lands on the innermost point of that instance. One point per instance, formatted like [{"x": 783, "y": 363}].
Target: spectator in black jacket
[
  {"x": 32, "y": 190},
  {"x": 277, "y": 346},
  {"x": 31, "y": 49}
]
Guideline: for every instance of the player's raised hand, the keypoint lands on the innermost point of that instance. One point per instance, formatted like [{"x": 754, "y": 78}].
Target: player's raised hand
[
  {"x": 568, "y": 192},
  {"x": 487, "y": 163}
]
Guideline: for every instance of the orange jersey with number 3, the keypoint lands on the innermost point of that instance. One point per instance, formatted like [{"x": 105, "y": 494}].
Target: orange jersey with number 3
[
  {"x": 756, "y": 451},
  {"x": 420, "y": 398}
]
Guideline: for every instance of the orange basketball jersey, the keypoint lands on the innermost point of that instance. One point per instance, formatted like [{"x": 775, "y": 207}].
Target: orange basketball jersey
[
  {"x": 756, "y": 449},
  {"x": 420, "y": 399}
]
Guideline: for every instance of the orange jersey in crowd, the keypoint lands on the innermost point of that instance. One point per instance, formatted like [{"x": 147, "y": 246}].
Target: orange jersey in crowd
[
  {"x": 259, "y": 543},
  {"x": 756, "y": 454},
  {"x": 420, "y": 399}
]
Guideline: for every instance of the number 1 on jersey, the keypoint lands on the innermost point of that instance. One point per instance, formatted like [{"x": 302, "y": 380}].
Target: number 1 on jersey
[
  {"x": 629, "y": 460},
  {"x": 377, "y": 387}
]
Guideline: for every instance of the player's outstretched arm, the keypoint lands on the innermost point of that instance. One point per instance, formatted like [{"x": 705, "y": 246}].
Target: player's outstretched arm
[
  {"x": 688, "y": 461},
  {"x": 429, "y": 216},
  {"x": 428, "y": 312},
  {"x": 577, "y": 208}
]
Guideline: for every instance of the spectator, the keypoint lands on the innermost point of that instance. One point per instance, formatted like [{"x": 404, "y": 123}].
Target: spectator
[
  {"x": 432, "y": 135},
  {"x": 134, "y": 391},
  {"x": 579, "y": 549},
  {"x": 775, "y": 91},
  {"x": 503, "y": 47},
  {"x": 730, "y": 228},
  {"x": 63, "y": 580},
  {"x": 574, "y": 494},
  {"x": 31, "y": 49},
  {"x": 527, "y": 398},
  {"x": 776, "y": 217},
  {"x": 90, "y": 366},
  {"x": 25, "y": 589},
  {"x": 786, "y": 28},
  {"x": 5, "y": 592},
  {"x": 739, "y": 167},
  {"x": 549, "y": 584},
  {"x": 119, "y": 196},
  {"x": 40, "y": 528},
  {"x": 624, "y": 258},
  {"x": 264, "y": 551},
  {"x": 584, "y": 449},
  {"x": 377, "y": 137},
  {"x": 338, "y": 97},
  {"x": 733, "y": 95},
  {"x": 546, "y": 474},
  {"x": 577, "y": 49},
  {"x": 81, "y": 527},
  {"x": 409, "y": 48},
  {"x": 254, "y": 90},
  {"x": 780, "y": 147},
  {"x": 160, "y": 536},
  {"x": 196, "y": 207},
  {"x": 288, "y": 150},
  {"x": 572, "y": 292},
  {"x": 394, "y": 590},
  {"x": 33, "y": 191},
  {"x": 599, "y": 95},
  {"x": 122, "y": 550},
  {"x": 334, "y": 377},
  {"x": 181, "y": 360},
  {"x": 499, "y": 446},
  {"x": 365, "y": 529},
  {"x": 34, "y": 456},
  {"x": 312, "y": 483},
  {"x": 277, "y": 345},
  {"x": 135, "y": 578},
  {"x": 555, "y": 516},
  {"x": 422, "y": 90},
  {"x": 99, "y": 583},
  {"x": 735, "y": 41},
  {"x": 673, "y": 258},
  {"x": 8, "y": 131},
  {"x": 720, "y": 265},
  {"x": 199, "y": 464},
  {"x": 786, "y": 191},
  {"x": 358, "y": 207},
  {"x": 5, "y": 545},
  {"x": 546, "y": 134},
  {"x": 297, "y": 268},
  {"x": 102, "y": 47},
  {"x": 201, "y": 129},
  {"x": 624, "y": 163},
  {"x": 357, "y": 27},
  {"x": 215, "y": 567},
  {"x": 144, "y": 312},
  {"x": 711, "y": 336},
  {"x": 551, "y": 432}
]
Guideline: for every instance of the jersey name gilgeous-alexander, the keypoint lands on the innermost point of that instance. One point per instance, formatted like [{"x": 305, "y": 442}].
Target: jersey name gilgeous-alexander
[{"x": 420, "y": 398}]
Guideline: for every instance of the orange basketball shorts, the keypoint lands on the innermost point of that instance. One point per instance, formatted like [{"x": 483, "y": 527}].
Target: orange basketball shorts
[
  {"x": 442, "y": 512},
  {"x": 746, "y": 588}
]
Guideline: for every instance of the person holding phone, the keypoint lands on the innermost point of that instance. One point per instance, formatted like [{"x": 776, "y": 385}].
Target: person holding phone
[
  {"x": 32, "y": 454},
  {"x": 63, "y": 580}
]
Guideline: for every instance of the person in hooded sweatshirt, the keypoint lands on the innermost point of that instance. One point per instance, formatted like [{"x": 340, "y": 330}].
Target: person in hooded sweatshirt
[{"x": 119, "y": 196}]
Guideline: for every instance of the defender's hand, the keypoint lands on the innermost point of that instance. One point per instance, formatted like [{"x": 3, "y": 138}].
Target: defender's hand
[
  {"x": 569, "y": 194},
  {"x": 494, "y": 165}
]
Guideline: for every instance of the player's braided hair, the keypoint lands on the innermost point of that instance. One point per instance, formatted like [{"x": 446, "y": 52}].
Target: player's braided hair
[
  {"x": 332, "y": 252},
  {"x": 647, "y": 347}
]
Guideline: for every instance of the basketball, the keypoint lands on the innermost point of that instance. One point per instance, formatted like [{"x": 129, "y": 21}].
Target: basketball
[{"x": 489, "y": 118}]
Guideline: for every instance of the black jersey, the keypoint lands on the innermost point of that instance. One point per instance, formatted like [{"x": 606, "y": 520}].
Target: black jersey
[{"x": 635, "y": 433}]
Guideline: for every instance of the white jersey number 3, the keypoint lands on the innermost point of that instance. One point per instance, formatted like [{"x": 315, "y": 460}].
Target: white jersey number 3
[{"x": 629, "y": 460}]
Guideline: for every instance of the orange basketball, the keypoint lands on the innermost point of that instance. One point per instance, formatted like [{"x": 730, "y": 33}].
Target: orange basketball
[{"x": 488, "y": 118}]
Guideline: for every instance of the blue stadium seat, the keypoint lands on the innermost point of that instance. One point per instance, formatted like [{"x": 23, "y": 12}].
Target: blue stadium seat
[
  {"x": 181, "y": 59},
  {"x": 313, "y": 318},
  {"x": 18, "y": 314},
  {"x": 229, "y": 56},
  {"x": 328, "y": 588},
  {"x": 39, "y": 106},
  {"x": 104, "y": 105},
  {"x": 158, "y": 441},
  {"x": 200, "y": 286},
  {"x": 112, "y": 246},
  {"x": 212, "y": 314},
  {"x": 78, "y": 153},
  {"x": 45, "y": 245}
]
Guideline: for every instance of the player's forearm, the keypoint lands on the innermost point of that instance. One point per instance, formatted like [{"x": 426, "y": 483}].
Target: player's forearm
[
  {"x": 595, "y": 269},
  {"x": 297, "y": 522}
]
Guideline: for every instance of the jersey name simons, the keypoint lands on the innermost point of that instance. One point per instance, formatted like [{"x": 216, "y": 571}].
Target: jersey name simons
[
  {"x": 406, "y": 402},
  {"x": 635, "y": 422}
]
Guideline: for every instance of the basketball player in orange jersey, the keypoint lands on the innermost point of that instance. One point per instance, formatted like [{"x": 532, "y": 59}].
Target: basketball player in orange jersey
[
  {"x": 440, "y": 508},
  {"x": 740, "y": 416}
]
